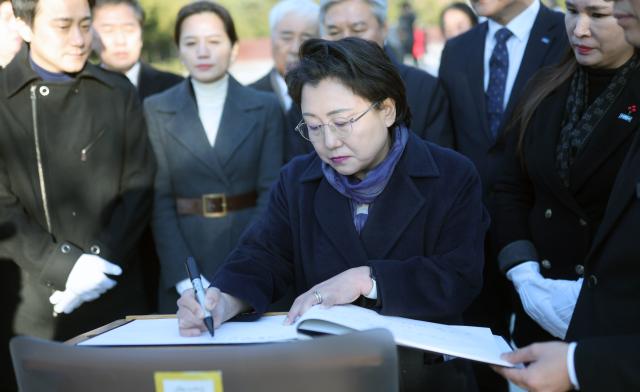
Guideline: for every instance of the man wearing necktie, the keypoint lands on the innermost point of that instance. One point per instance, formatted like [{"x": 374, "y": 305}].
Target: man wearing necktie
[{"x": 484, "y": 71}]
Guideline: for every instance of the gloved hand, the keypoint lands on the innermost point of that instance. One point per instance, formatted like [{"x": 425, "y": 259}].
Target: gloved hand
[
  {"x": 186, "y": 284},
  {"x": 86, "y": 282},
  {"x": 550, "y": 302}
]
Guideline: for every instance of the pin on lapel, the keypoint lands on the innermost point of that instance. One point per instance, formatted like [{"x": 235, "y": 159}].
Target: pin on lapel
[
  {"x": 545, "y": 40},
  {"x": 628, "y": 116}
]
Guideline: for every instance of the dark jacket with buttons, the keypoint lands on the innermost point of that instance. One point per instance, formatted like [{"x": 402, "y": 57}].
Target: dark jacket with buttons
[
  {"x": 76, "y": 176},
  {"x": 606, "y": 320},
  {"x": 536, "y": 216}
]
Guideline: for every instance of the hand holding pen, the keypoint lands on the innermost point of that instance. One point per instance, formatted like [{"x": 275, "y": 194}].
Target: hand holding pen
[
  {"x": 215, "y": 304},
  {"x": 194, "y": 276}
]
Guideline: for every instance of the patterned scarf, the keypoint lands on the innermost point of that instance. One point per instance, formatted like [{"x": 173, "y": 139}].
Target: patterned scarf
[
  {"x": 580, "y": 121},
  {"x": 363, "y": 193}
]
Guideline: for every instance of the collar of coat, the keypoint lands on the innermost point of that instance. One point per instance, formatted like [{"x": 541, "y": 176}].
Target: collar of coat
[
  {"x": 19, "y": 74},
  {"x": 174, "y": 101},
  {"x": 417, "y": 161}
]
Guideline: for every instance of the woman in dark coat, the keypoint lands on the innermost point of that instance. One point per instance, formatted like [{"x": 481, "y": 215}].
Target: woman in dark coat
[
  {"x": 378, "y": 217},
  {"x": 568, "y": 141},
  {"x": 219, "y": 149}
]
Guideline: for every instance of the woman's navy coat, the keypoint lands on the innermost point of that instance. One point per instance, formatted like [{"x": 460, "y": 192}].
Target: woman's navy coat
[{"x": 423, "y": 239}]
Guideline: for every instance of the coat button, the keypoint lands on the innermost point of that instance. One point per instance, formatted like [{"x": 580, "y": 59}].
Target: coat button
[
  {"x": 546, "y": 264},
  {"x": 44, "y": 91},
  {"x": 580, "y": 269},
  {"x": 73, "y": 213},
  {"x": 65, "y": 248},
  {"x": 593, "y": 281},
  {"x": 548, "y": 213},
  {"x": 583, "y": 222},
  {"x": 95, "y": 249}
]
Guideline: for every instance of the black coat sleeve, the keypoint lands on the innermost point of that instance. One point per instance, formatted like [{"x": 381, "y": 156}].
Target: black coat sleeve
[
  {"x": 512, "y": 202},
  {"x": 29, "y": 244},
  {"x": 131, "y": 211}
]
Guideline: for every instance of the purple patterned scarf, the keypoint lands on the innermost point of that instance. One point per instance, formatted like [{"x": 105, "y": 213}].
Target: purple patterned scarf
[{"x": 363, "y": 193}]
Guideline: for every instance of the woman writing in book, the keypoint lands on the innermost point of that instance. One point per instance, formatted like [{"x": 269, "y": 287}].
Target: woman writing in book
[{"x": 377, "y": 217}]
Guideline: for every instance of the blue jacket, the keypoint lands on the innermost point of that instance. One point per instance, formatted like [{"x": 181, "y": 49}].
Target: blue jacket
[{"x": 423, "y": 239}]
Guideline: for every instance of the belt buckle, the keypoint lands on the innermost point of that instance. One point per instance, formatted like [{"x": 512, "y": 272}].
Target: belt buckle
[{"x": 211, "y": 198}]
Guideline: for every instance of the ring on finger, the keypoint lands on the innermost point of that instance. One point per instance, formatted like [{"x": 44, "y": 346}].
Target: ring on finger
[{"x": 319, "y": 298}]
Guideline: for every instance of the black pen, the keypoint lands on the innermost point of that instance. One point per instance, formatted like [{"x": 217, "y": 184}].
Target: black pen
[{"x": 194, "y": 275}]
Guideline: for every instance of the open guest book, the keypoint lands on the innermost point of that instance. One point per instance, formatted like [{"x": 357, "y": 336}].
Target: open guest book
[{"x": 474, "y": 343}]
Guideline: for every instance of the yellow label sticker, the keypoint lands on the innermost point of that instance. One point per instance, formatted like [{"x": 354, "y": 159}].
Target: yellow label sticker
[{"x": 210, "y": 381}]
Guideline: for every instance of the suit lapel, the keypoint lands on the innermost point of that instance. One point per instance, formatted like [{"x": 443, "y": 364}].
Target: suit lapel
[
  {"x": 186, "y": 128},
  {"x": 334, "y": 216},
  {"x": 235, "y": 125},
  {"x": 604, "y": 142},
  {"x": 624, "y": 189},
  {"x": 548, "y": 125},
  {"x": 399, "y": 203},
  {"x": 475, "y": 72},
  {"x": 144, "y": 78}
]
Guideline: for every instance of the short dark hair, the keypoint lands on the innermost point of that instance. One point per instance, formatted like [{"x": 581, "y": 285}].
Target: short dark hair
[
  {"x": 199, "y": 7},
  {"x": 358, "y": 64},
  {"x": 134, "y": 4},
  {"x": 462, "y": 7},
  {"x": 26, "y": 9}
]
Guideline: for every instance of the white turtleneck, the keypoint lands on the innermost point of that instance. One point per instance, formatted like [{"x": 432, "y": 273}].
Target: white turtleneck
[{"x": 210, "y": 98}]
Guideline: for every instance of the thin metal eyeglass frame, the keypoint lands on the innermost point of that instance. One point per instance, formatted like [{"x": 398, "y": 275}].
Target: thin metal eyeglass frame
[{"x": 332, "y": 126}]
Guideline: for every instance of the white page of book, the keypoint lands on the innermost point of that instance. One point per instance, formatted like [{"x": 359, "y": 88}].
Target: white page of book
[
  {"x": 456, "y": 340},
  {"x": 159, "y": 332}
]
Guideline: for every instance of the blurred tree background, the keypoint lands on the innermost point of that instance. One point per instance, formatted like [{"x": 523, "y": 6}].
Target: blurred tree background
[{"x": 251, "y": 19}]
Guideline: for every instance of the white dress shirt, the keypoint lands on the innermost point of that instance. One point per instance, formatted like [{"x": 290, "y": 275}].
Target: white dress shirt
[
  {"x": 520, "y": 27},
  {"x": 134, "y": 74},
  {"x": 283, "y": 91}
]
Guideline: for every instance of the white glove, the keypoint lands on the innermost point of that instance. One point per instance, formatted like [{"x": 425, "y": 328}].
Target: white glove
[
  {"x": 86, "y": 282},
  {"x": 186, "y": 284},
  {"x": 550, "y": 302}
]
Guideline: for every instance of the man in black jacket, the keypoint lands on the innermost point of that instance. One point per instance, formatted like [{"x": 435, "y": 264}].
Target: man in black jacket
[
  {"x": 118, "y": 25},
  {"x": 529, "y": 36},
  {"x": 603, "y": 339},
  {"x": 367, "y": 19},
  {"x": 76, "y": 175},
  {"x": 291, "y": 22}
]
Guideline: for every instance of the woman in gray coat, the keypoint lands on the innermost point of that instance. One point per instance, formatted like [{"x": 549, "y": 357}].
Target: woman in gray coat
[{"x": 219, "y": 147}]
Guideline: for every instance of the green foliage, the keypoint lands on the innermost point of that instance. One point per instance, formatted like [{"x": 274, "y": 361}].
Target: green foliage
[
  {"x": 158, "y": 29},
  {"x": 251, "y": 18}
]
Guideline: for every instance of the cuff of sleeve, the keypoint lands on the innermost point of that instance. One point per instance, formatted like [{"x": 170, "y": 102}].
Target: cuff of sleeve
[
  {"x": 373, "y": 294},
  {"x": 183, "y": 286},
  {"x": 516, "y": 253},
  {"x": 100, "y": 249},
  {"x": 528, "y": 269},
  {"x": 571, "y": 366},
  {"x": 59, "y": 265}
]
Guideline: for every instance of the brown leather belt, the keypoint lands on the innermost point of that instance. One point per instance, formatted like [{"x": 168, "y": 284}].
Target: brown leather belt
[{"x": 215, "y": 205}]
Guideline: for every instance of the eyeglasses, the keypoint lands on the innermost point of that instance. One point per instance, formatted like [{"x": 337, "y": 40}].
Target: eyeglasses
[{"x": 341, "y": 127}]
